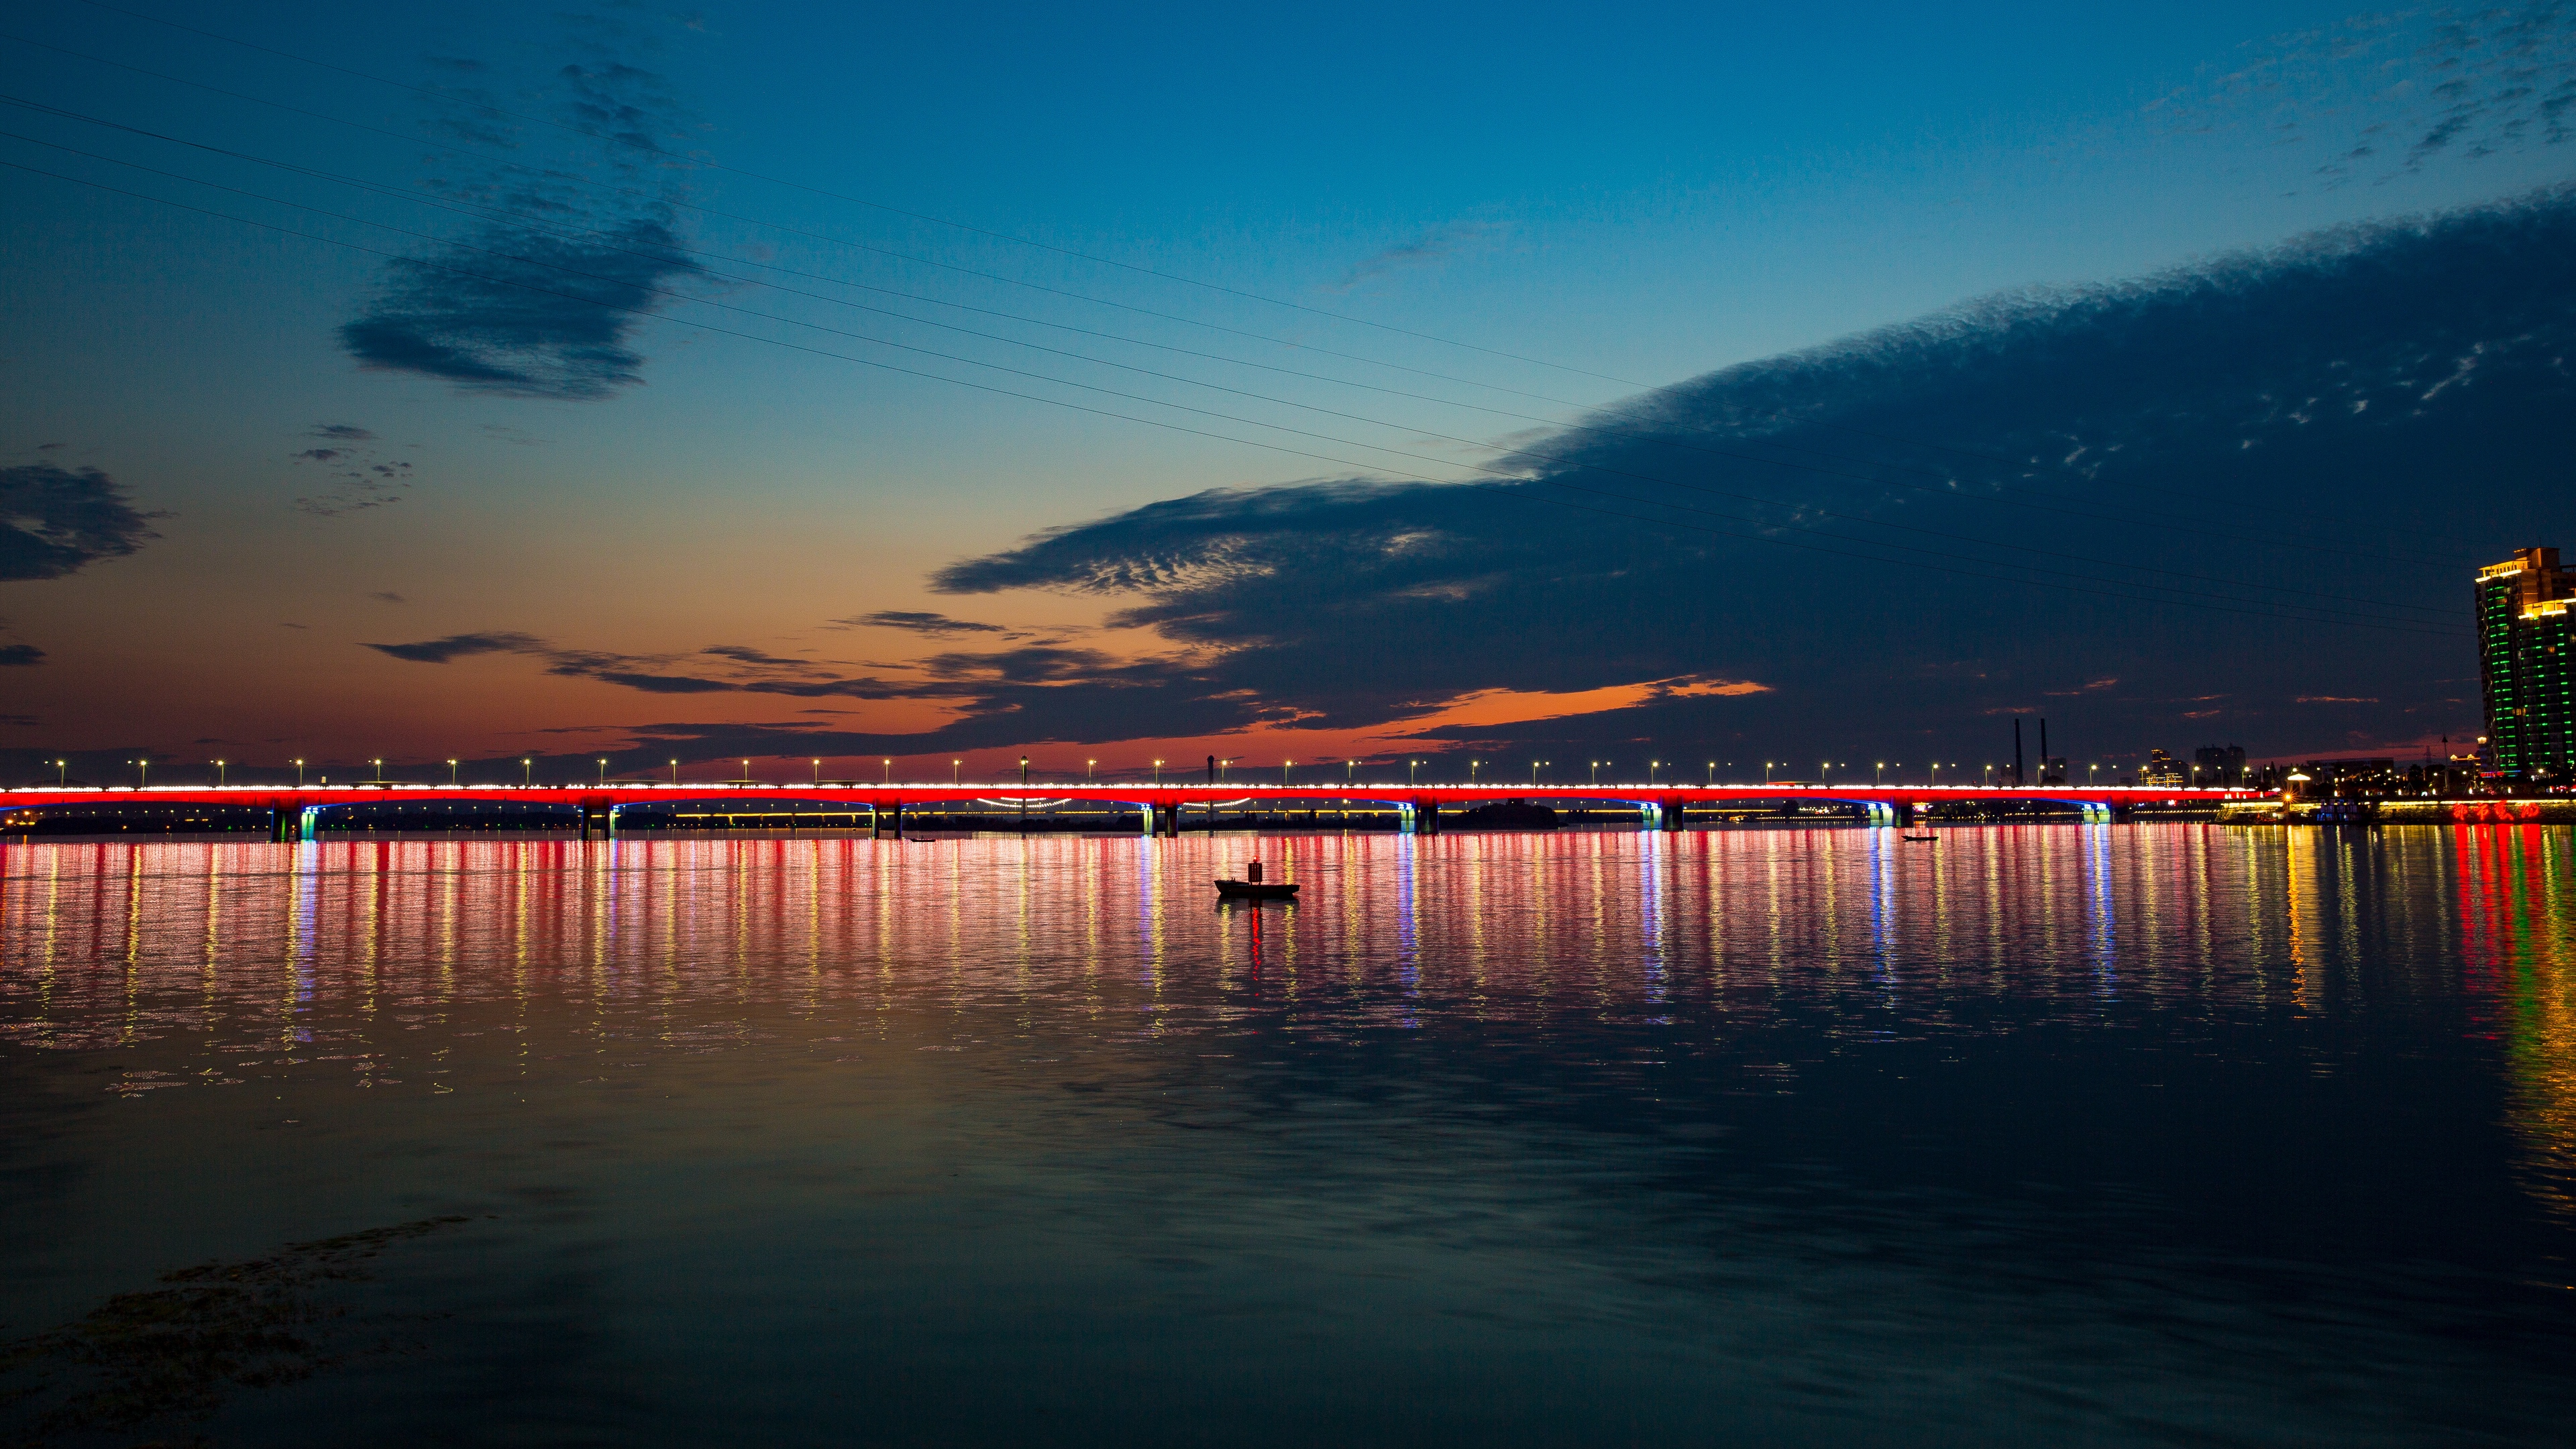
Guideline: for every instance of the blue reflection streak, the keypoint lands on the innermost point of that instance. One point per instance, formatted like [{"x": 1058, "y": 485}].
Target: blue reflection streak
[{"x": 2100, "y": 937}]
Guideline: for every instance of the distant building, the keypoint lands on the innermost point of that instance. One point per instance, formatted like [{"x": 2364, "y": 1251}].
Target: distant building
[
  {"x": 2161, "y": 771},
  {"x": 2220, "y": 764},
  {"x": 2052, "y": 769},
  {"x": 2527, "y": 661}
]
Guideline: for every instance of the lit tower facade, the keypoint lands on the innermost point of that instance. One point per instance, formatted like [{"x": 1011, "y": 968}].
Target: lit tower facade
[{"x": 2527, "y": 661}]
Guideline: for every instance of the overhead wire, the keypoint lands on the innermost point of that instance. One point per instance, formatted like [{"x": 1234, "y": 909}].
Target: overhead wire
[
  {"x": 1554, "y": 482},
  {"x": 1662, "y": 439},
  {"x": 607, "y": 243},
  {"x": 1495, "y": 488}
]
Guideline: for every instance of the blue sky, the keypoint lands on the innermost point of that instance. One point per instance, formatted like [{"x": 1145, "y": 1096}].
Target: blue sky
[{"x": 1581, "y": 208}]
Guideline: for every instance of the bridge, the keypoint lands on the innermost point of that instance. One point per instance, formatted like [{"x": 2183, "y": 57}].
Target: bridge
[{"x": 1162, "y": 809}]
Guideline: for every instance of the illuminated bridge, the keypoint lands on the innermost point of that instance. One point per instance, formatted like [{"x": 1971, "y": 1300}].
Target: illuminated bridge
[{"x": 295, "y": 813}]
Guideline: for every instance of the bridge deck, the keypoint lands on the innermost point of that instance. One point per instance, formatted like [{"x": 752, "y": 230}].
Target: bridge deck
[{"x": 1125, "y": 793}]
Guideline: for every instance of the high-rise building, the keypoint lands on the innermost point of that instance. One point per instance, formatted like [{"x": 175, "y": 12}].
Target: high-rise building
[
  {"x": 2527, "y": 661},
  {"x": 2220, "y": 764}
]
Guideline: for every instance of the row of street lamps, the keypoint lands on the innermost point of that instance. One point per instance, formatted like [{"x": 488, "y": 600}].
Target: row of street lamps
[{"x": 1090, "y": 770}]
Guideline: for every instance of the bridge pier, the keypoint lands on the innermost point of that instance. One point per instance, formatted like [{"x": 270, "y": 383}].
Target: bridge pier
[
  {"x": 1669, "y": 815},
  {"x": 886, "y": 820},
  {"x": 282, "y": 825},
  {"x": 1163, "y": 820},
  {"x": 600, "y": 820}
]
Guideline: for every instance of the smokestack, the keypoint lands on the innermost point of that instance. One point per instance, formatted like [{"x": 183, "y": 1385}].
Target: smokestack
[
  {"x": 1211, "y": 769},
  {"x": 2016, "y": 752}
]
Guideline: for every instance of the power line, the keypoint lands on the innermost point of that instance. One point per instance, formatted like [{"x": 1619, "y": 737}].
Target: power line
[
  {"x": 1558, "y": 460},
  {"x": 1665, "y": 439},
  {"x": 1497, "y": 489},
  {"x": 877, "y": 205}
]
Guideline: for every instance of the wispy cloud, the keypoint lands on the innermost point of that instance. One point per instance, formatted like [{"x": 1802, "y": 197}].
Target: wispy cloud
[
  {"x": 360, "y": 476},
  {"x": 1429, "y": 249},
  {"x": 919, "y": 623}
]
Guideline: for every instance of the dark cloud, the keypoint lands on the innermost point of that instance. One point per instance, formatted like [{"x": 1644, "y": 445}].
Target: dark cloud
[
  {"x": 388, "y": 596},
  {"x": 459, "y": 646},
  {"x": 516, "y": 311},
  {"x": 653, "y": 683},
  {"x": 920, "y": 623},
  {"x": 520, "y": 314},
  {"x": 341, "y": 432},
  {"x": 48, "y": 447},
  {"x": 2104, "y": 472},
  {"x": 54, "y": 522},
  {"x": 19, "y": 656}
]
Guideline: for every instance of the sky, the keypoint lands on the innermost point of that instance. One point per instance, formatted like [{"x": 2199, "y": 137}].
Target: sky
[{"x": 886, "y": 386}]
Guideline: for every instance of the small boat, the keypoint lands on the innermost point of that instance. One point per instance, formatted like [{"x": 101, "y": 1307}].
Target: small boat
[
  {"x": 1253, "y": 890},
  {"x": 1923, "y": 839}
]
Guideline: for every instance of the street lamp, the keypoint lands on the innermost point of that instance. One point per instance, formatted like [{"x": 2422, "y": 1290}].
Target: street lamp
[
  {"x": 1158, "y": 774},
  {"x": 675, "y": 772},
  {"x": 1879, "y": 778},
  {"x": 603, "y": 772},
  {"x": 1766, "y": 771},
  {"x": 953, "y": 767},
  {"x": 219, "y": 774},
  {"x": 1712, "y": 774},
  {"x": 2092, "y": 775},
  {"x": 1409, "y": 767},
  {"x": 143, "y": 768},
  {"x": 889, "y": 771},
  {"x": 1087, "y": 770},
  {"x": 1283, "y": 773},
  {"x": 380, "y": 770},
  {"x": 818, "y": 769},
  {"x": 527, "y": 771},
  {"x": 1534, "y": 764},
  {"x": 1823, "y": 768},
  {"x": 1651, "y": 767},
  {"x": 63, "y": 772},
  {"x": 1471, "y": 772},
  {"x": 451, "y": 774},
  {"x": 1596, "y": 770},
  {"x": 746, "y": 772},
  {"x": 299, "y": 774}
]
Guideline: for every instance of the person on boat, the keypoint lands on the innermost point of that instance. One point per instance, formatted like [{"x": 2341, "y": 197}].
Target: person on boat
[{"x": 1252, "y": 873}]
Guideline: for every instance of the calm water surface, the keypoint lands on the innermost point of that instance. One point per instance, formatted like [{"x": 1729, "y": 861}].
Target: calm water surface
[{"x": 2046, "y": 1134}]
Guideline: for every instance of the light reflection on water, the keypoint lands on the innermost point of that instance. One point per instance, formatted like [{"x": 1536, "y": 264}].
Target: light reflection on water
[{"x": 2130, "y": 1131}]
